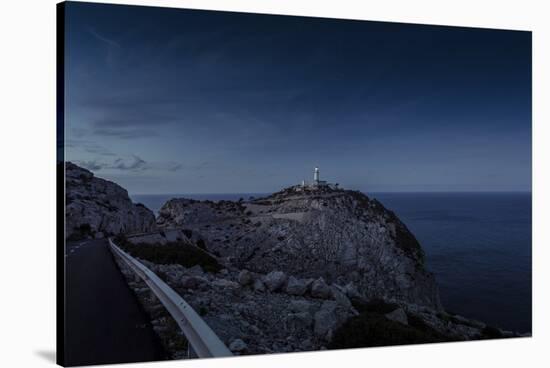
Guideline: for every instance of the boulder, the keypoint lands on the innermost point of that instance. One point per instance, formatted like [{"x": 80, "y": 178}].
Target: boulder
[
  {"x": 298, "y": 322},
  {"x": 351, "y": 290},
  {"x": 295, "y": 286},
  {"x": 326, "y": 320},
  {"x": 308, "y": 283},
  {"x": 340, "y": 297},
  {"x": 470, "y": 322},
  {"x": 245, "y": 278},
  {"x": 237, "y": 346},
  {"x": 299, "y": 306},
  {"x": 275, "y": 280},
  {"x": 227, "y": 284},
  {"x": 259, "y": 285},
  {"x": 193, "y": 282},
  {"x": 196, "y": 270},
  {"x": 319, "y": 289},
  {"x": 173, "y": 277},
  {"x": 398, "y": 315}
]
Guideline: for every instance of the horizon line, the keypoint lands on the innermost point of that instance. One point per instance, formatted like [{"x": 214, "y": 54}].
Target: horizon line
[{"x": 365, "y": 192}]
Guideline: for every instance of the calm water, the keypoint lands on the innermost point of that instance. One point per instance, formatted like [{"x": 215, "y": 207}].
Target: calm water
[{"x": 477, "y": 244}]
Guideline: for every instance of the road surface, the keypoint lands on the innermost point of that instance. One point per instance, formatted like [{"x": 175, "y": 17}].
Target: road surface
[{"x": 104, "y": 321}]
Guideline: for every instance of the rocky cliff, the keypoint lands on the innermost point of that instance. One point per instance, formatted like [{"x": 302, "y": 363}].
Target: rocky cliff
[
  {"x": 98, "y": 207},
  {"x": 340, "y": 235}
]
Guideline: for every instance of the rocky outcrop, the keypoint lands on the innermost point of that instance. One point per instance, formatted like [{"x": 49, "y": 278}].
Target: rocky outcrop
[
  {"x": 340, "y": 235},
  {"x": 98, "y": 207}
]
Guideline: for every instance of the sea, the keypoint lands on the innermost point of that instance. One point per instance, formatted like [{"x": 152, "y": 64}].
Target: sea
[{"x": 478, "y": 245}]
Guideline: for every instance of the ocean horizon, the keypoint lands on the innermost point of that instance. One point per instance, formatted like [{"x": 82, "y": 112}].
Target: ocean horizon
[{"x": 478, "y": 245}]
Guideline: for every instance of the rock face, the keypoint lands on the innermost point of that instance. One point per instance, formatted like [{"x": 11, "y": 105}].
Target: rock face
[
  {"x": 340, "y": 235},
  {"x": 98, "y": 207}
]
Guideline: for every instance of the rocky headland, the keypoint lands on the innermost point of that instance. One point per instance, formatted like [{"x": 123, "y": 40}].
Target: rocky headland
[
  {"x": 303, "y": 269},
  {"x": 340, "y": 235}
]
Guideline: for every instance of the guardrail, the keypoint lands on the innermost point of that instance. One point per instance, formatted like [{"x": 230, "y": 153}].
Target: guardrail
[{"x": 200, "y": 336}]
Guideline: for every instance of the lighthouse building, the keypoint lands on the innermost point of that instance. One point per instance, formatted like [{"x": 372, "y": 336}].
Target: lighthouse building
[{"x": 317, "y": 183}]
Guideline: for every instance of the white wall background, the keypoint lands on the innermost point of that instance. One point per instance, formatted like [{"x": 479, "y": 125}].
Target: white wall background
[{"x": 27, "y": 202}]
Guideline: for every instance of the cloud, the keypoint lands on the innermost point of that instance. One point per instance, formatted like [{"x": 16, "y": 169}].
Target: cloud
[
  {"x": 113, "y": 48},
  {"x": 124, "y": 133},
  {"x": 110, "y": 42},
  {"x": 175, "y": 167},
  {"x": 135, "y": 164},
  {"x": 131, "y": 163},
  {"x": 88, "y": 146},
  {"x": 130, "y": 122},
  {"x": 91, "y": 165}
]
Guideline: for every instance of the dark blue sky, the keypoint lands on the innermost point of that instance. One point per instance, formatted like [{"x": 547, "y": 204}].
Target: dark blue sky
[{"x": 183, "y": 101}]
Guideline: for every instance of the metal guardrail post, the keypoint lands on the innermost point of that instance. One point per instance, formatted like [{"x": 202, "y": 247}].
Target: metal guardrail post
[{"x": 203, "y": 340}]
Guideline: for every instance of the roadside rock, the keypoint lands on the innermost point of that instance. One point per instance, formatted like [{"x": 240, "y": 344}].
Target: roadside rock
[
  {"x": 351, "y": 290},
  {"x": 226, "y": 284},
  {"x": 326, "y": 320},
  {"x": 340, "y": 297},
  {"x": 259, "y": 285},
  {"x": 298, "y": 322},
  {"x": 237, "y": 346},
  {"x": 295, "y": 286},
  {"x": 245, "y": 278},
  {"x": 398, "y": 315},
  {"x": 196, "y": 270},
  {"x": 300, "y": 306},
  {"x": 319, "y": 289},
  {"x": 193, "y": 282},
  {"x": 275, "y": 280}
]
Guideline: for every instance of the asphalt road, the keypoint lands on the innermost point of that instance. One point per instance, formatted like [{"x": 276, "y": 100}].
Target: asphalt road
[{"x": 104, "y": 321}]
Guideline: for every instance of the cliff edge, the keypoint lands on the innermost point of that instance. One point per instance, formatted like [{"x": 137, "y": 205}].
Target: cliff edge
[{"x": 98, "y": 207}]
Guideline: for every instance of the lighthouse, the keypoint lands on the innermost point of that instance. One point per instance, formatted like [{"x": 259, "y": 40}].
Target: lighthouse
[
  {"x": 316, "y": 175},
  {"x": 317, "y": 183}
]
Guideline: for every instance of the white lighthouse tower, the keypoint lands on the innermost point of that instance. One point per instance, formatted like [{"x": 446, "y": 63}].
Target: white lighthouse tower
[
  {"x": 316, "y": 176},
  {"x": 317, "y": 183}
]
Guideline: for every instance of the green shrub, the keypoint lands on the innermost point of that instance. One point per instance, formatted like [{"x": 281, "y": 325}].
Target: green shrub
[
  {"x": 171, "y": 253},
  {"x": 378, "y": 306},
  {"x": 372, "y": 329},
  {"x": 81, "y": 232}
]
